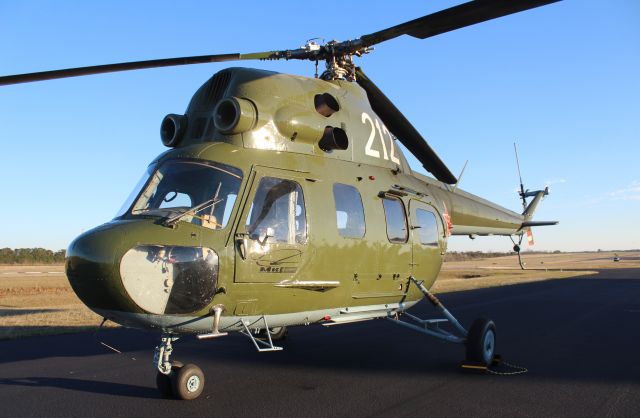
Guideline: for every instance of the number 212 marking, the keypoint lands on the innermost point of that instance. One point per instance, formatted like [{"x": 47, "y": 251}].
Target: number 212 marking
[{"x": 375, "y": 126}]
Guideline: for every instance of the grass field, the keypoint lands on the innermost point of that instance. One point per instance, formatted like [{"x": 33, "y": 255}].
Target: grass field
[{"x": 37, "y": 300}]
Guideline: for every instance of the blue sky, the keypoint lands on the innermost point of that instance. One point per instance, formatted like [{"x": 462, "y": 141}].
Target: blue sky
[{"x": 562, "y": 81}]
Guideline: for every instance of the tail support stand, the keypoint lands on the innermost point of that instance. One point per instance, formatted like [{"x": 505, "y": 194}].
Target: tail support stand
[{"x": 516, "y": 248}]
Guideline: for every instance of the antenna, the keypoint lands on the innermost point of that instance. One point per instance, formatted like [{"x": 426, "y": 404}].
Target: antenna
[
  {"x": 522, "y": 194},
  {"x": 460, "y": 176}
]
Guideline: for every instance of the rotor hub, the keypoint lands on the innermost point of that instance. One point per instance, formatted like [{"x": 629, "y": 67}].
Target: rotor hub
[{"x": 339, "y": 68}]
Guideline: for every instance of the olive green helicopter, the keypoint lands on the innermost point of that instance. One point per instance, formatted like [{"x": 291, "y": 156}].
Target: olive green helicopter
[{"x": 285, "y": 200}]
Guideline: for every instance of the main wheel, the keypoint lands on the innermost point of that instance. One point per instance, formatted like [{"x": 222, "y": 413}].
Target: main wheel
[
  {"x": 188, "y": 382},
  {"x": 277, "y": 333},
  {"x": 481, "y": 341},
  {"x": 163, "y": 381}
]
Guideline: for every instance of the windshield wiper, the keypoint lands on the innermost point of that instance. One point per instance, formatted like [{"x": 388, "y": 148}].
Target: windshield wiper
[{"x": 170, "y": 221}]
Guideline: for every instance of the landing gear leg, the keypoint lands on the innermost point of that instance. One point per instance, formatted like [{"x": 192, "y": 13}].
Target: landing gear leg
[
  {"x": 480, "y": 341},
  {"x": 173, "y": 379}
]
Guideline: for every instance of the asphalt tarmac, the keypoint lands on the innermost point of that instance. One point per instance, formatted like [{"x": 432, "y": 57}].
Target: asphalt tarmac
[{"x": 579, "y": 338}]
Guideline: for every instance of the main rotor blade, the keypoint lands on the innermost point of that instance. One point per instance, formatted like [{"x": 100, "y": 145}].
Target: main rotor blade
[
  {"x": 128, "y": 66},
  {"x": 456, "y": 17},
  {"x": 402, "y": 129}
]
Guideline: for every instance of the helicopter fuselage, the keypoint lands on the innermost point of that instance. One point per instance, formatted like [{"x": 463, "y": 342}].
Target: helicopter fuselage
[{"x": 284, "y": 198}]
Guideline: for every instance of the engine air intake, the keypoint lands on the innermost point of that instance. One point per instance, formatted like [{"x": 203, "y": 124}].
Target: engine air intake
[
  {"x": 172, "y": 129},
  {"x": 233, "y": 115}
]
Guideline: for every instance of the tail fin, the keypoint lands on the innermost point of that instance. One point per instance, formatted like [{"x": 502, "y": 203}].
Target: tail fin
[
  {"x": 531, "y": 208},
  {"x": 537, "y": 197}
]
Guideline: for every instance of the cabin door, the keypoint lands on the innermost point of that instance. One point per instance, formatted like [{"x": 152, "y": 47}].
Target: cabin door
[
  {"x": 271, "y": 236},
  {"x": 427, "y": 241}
]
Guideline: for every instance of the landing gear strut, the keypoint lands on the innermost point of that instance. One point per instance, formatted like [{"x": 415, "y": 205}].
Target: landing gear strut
[
  {"x": 480, "y": 341},
  {"x": 175, "y": 379}
]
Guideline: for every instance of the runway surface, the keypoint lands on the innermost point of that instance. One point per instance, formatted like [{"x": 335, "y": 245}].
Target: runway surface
[{"x": 579, "y": 338}]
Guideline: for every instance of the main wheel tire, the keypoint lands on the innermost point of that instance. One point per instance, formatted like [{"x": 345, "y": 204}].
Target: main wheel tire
[
  {"x": 163, "y": 381},
  {"x": 188, "y": 382},
  {"x": 481, "y": 341},
  {"x": 277, "y": 334}
]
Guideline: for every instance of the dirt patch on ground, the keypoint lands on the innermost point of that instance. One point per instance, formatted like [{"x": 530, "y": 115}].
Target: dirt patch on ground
[
  {"x": 502, "y": 271},
  {"x": 38, "y": 300},
  {"x": 456, "y": 280}
]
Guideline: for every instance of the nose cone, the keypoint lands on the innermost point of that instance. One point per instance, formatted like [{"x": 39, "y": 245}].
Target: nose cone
[{"x": 92, "y": 269}]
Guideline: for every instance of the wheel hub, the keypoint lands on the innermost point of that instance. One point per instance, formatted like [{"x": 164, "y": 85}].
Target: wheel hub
[
  {"x": 488, "y": 346},
  {"x": 193, "y": 383}
]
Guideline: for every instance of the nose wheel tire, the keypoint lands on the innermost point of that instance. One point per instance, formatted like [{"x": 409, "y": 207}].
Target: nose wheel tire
[
  {"x": 163, "y": 381},
  {"x": 187, "y": 382},
  {"x": 481, "y": 341}
]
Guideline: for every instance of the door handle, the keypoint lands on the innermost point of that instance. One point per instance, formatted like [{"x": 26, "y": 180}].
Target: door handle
[{"x": 242, "y": 243}]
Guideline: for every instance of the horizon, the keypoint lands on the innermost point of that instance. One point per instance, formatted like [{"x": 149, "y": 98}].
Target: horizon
[
  {"x": 509, "y": 252},
  {"x": 544, "y": 78}
]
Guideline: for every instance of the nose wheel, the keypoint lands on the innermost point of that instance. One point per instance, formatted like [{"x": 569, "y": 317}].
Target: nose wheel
[
  {"x": 188, "y": 382},
  {"x": 183, "y": 382},
  {"x": 174, "y": 379}
]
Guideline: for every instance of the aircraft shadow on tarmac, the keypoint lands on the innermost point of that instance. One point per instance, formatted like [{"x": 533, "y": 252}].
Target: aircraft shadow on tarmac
[
  {"x": 68, "y": 342},
  {"x": 83, "y": 385}
]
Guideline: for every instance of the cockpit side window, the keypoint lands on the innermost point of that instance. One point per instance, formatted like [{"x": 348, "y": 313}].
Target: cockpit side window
[
  {"x": 203, "y": 191},
  {"x": 278, "y": 213},
  {"x": 136, "y": 191}
]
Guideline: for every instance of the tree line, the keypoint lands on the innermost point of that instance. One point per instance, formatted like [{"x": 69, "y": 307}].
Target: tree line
[
  {"x": 474, "y": 255},
  {"x": 31, "y": 256}
]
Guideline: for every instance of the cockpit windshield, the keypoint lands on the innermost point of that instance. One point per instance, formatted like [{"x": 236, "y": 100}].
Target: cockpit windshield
[{"x": 199, "y": 192}]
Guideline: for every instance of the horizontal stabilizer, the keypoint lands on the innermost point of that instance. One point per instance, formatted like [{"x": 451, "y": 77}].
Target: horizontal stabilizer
[{"x": 528, "y": 224}]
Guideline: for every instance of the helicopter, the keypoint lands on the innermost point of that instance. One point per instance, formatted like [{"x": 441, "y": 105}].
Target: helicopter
[{"x": 285, "y": 200}]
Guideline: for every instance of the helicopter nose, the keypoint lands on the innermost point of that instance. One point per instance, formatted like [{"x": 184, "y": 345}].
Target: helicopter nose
[
  {"x": 113, "y": 274},
  {"x": 92, "y": 269}
]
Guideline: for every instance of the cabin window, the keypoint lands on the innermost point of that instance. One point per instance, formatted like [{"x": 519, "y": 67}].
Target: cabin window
[
  {"x": 277, "y": 213},
  {"x": 349, "y": 211},
  {"x": 396, "y": 219},
  {"x": 427, "y": 227}
]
